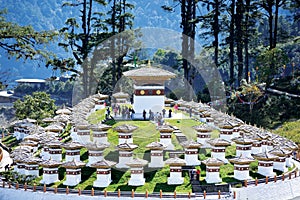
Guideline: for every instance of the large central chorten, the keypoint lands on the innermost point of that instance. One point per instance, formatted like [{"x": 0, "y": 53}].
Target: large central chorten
[{"x": 149, "y": 88}]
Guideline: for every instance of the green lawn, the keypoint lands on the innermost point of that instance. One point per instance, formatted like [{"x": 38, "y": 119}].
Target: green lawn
[
  {"x": 97, "y": 117},
  {"x": 290, "y": 130},
  {"x": 156, "y": 179},
  {"x": 186, "y": 127}
]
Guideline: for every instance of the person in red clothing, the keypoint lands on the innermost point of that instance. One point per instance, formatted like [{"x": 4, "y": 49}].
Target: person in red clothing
[
  {"x": 198, "y": 174},
  {"x": 175, "y": 108}
]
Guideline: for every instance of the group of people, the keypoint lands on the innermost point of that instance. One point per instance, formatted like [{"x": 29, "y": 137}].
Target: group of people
[
  {"x": 158, "y": 117},
  {"x": 124, "y": 111}
]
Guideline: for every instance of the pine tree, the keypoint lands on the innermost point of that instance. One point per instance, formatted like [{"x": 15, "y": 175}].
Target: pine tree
[
  {"x": 82, "y": 37},
  {"x": 23, "y": 42}
]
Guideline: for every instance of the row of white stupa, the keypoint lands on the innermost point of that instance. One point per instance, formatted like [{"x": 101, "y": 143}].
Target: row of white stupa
[
  {"x": 254, "y": 141},
  {"x": 270, "y": 156}
]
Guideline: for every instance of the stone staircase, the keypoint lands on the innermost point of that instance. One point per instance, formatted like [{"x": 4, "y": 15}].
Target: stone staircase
[{"x": 179, "y": 135}]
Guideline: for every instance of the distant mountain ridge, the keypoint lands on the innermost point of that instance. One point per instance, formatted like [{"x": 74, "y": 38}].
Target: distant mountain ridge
[{"x": 49, "y": 15}]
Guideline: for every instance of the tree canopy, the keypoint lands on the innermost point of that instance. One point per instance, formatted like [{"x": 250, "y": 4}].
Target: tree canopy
[
  {"x": 37, "y": 106},
  {"x": 23, "y": 41}
]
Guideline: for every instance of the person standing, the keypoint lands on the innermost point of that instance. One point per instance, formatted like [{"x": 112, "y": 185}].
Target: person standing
[
  {"x": 170, "y": 113},
  {"x": 175, "y": 108},
  {"x": 164, "y": 113},
  {"x": 144, "y": 115},
  {"x": 198, "y": 174},
  {"x": 107, "y": 112}
]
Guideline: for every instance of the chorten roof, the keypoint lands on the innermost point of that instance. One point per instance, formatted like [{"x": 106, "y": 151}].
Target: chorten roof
[
  {"x": 29, "y": 143},
  {"x": 226, "y": 124},
  {"x": 203, "y": 128},
  {"x": 100, "y": 127},
  {"x": 125, "y": 128},
  {"x": 100, "y": 96},
  {"x": 156, "y": 146},
  {"x": 50, "y": 163},
  {"x": 165, "y": 129},
  {"x": 96, "y": 146},
  {"x": 83, "y": 126},
  {"x": 213, "y": 162},
  {"x": 120, "y": 95},
  {"x": 74, "y": 164},
  {"x": 265, "y": 156},
  {"x": 218, "y": 142},
  {"x": 72, "y": 145},
  {"x": 63, "y": 110},
  {"x": 103, "y": 164},
  {"x": 137, "y": 162},
  {"x": 32, "y": 160},
  {"x": 279, "y": 151},
  {"x": 242, "y": 160},
  {"x": 175, "y": 162},
  {"x": 242, "y": 140},
  {"x": 127, "y": 146},
  {"x": 149, "y": 72},
  {"x": 191, "y": 144},
  {"x": 21, "y": 156},
  {"x": 168, "y": 100},
  {"x": 54, "y": 144}
]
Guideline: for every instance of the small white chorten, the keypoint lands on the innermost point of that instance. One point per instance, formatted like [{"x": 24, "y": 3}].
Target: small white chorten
[
  {"x": 175, "y": 170},
  {"x": 191, "y": 153},
  {"x": 213, "y": 170},
  {"x": 137, "y": 171},
  {"x": 241, "y": 167},
  {"x": 100, "y": 133},
  {"x": 95, "y": 152},
  {"x": 156, "y": 151},
  {"x": 166, "y": 136},
  {"x": 125, "y": 154},
  {"x": 125, "y": 133},
  {"x": 103, "y": 173},
  {"x": 73, "y": 172},
  {"x": 50, "y": 171}
]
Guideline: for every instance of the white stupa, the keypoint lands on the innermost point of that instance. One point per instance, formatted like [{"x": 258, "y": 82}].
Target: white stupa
[
  {"x": 241, "y": 167},
  {"x": 213, "y": 170},
  {"x": 95, "y": 152},
  {"x": 73, "y": 172},
  {"x": 99, "y": 132},
  {"x": 50, "y": 171},
  {"x": 149, "y": 88},
  {"x": 166, "y": 136},
  {"x": 125, "y": 133},
  {"x": 265, "y": 163},
  {"x": 191, "y": 153},
  {"x": 125, "y": 154},
  {"x": 103, "y": 172},
  {"x": 175, "y": 170},
  {"x": 156, "y": 151},
  {"x": 137, "y": 171}
]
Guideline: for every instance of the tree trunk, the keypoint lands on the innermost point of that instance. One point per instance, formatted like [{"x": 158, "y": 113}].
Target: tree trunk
[
  {"x": 231, "y": 42},
  {"x": 247, "y": 39},
  {"x": 270, "y": 19},
  {"x": 216, "y": 31},
  {"x": 184, "y": 40},
  {"x": 276, "y": 22},
  {"x": 113, "y": 49},
  {"x": 239, "y": 34}
]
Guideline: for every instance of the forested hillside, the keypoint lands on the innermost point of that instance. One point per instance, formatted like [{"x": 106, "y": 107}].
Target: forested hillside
[{"x": 253, "y": 44}]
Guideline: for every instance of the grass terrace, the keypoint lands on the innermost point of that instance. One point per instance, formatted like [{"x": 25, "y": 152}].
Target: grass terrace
[{"x": 156, "y": 179}]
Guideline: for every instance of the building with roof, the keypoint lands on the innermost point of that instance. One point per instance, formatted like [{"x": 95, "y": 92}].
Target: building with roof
[{"x": 149, "y": 88}]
